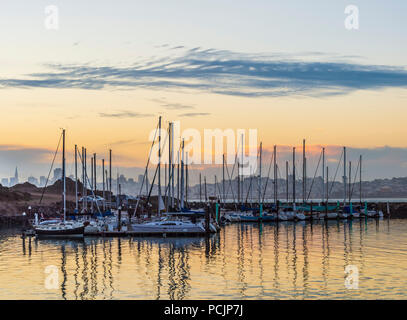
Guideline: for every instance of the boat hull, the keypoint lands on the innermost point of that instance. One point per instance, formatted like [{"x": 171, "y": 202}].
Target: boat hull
[{"x": 67, "y": 233}]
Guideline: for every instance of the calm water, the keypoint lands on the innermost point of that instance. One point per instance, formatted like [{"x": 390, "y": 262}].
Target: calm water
[{"x": 291, "y": 261}]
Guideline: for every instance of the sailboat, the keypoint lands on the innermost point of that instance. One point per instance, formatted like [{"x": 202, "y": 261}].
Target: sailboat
[{"x": 62, "y": 229}]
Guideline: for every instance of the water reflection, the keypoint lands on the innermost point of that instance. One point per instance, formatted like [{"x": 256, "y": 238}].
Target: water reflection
[{"x": 286, "y": 260}]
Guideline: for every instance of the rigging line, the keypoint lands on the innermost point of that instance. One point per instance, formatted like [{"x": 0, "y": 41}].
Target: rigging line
[
  {"x": 268, "y": 176},
  {"x": 333, "y": 181},
  {"x": 313, "y": 179},
  {"x": 354, "y": 180},
  {"x": 219, "y": 190},
  {"x": 250, "y": 187},
  {"x": 148, "y": 162},
  {"x": 230, "y": 184},
  {"x": 49, "y": 173},
  {"x": 87, "y": 178},
  {"x": 233, "y": 169},
  {"x": 151, "y": 189}
]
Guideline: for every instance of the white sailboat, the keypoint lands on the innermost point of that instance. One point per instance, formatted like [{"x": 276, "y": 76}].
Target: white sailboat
[{"x": 62, "y": 229}]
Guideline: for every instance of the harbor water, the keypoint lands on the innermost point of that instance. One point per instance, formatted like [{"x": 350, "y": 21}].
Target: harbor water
[{"x": 244, "y": 261}]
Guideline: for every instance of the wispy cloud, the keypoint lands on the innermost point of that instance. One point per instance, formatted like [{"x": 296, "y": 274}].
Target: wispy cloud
[
  {"x": 177, "y": 106},
  {"x": 172, "y": 106},
  {"x": 225, "y": 72},
  {"x": 126, "y": 114},
  {"x": 194, "y": 114}
]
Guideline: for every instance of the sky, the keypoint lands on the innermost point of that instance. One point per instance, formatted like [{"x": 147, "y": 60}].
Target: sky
[{"x": 289, "y": 69}]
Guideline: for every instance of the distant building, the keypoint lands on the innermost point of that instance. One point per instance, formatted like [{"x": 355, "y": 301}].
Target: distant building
[
  {"x": 122, "y": 179},
  {"x": 4, "y": 182},
  {"x": 140, "y": 178},
  {"x": 14, "y": 180},
  {"x": 33, "y": 180},
  {"x": 43, "y": 180},
  {"x": 57, "y": 174}
]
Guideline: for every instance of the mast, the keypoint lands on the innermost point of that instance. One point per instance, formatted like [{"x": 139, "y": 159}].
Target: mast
[
  {"x": 260, "y": 154},
  {"x": 216, "y": 185},
  {"x": 117, "y": 191},
  {"x": 360, "y": 179},
  {"x": 172, "y": 167},
  {"x": 63, "y": 172},
  {"x": 293, "y": 176},
  {"x": 206, "y": 194},
  {"x": 275, "y": 175},
  {"x": 169, "y": 194},
  {"x": 85, "y": 181},
  {"x": 286, "y": 176},
  {"x": 110, "y": 178},
  {"x": 182, "y": 175},
  {"x": 223, "y": 179},
  {"x": 323, "y": 173},
  {"x": 186, "y": 178},
  {"x": 304, "y": 186},
  {"x": 91, "y": 182},
  {"x": 200, "y": 188},
  {"x": 159, "y": 165},
  {"x": 94, "y": 175},
  {"x": 106, "y": 175},
  {"x": 103, "y": 171},
  {"x": 238, "y": 182},
  {"x": 350, "y": 180},
  {"x": 165, "y": 187},
  {"x": 327, "y": 184},
  {"x": 242, "y": 179},
  {"x": 344, "y": 176},
  {"x": 178, "y": 179},
  {"x": 76, "y": 178}
]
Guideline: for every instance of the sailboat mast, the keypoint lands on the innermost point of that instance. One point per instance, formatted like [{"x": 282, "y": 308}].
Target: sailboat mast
[
  {"x": 83, "y": 179},
  {"x": 260, "y": 154},
  {"x": 223, "y": 179},
  {"x": 76, "y": 178},
  {"x": 63, "y": 172},
  {"x": 206, "y": 194},
  {"x": 186, "y": 178},
  {"x": 286, "y": 177},
  {"x": 293, "y": 176},
  {"x": 200, "y": 188},
  {"x": 344, "y": 176},
  {"x": 360, "y": 179},
  {"x": 303, "y": 171},
  {"x": 275, "y": 174},
  {"x": 182, "y": 175},
  {"x": 94, "y": 174},
  {"x": 169, "y": 194},
  {"x": 178, "y": 179},
  {"x": 238, "y": 182},
  {"x": 110, "y": 178},
  {"x": 323, "y": 173},
  {"x": 159, "y": 165},
  {"x": 85, "y": 164},
  {"x": 350, "y": 180},
  {"x": 242, "y": 179},
  {"x": 103, "y": 176},
  {"x": 91, "y": 182},
  {"x": 327, "y": 184}
]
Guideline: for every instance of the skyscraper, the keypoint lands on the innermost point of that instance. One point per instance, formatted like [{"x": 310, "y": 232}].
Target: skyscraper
[{"x": 14, "y": 180}]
